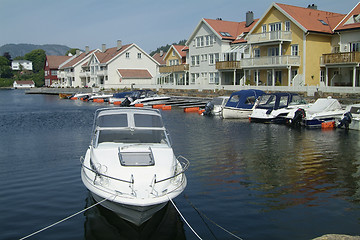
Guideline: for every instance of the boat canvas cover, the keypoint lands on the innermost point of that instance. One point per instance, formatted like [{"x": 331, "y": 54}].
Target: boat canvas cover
[
  {"x": 278, "y": 100},
  {"x": 244, "y": 99},
  {"x": 122, "y": 94},
  {"x": 324, "y": 104}
]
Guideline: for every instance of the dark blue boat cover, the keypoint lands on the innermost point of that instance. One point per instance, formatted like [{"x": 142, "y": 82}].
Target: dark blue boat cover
[
  {"x": 122, "y": 94},
  {"x": 244, "y": 99}
]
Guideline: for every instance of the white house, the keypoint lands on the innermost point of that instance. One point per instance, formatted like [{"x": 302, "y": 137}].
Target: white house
[
  {"x": 119, "y": 67},
  {"x": 23, "y": 84},
  {"x": 341, "y": 67},
  {"x": 21, "y": 65},
  {"x": 215, "y": 41}
]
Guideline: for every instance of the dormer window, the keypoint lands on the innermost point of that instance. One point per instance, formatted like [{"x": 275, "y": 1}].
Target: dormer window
[
  {"x": 323, "y": 22},
  {"x": 225, "y": 34}
]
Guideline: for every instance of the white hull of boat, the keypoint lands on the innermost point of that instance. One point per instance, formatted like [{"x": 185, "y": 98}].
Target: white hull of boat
[
  {"x": 237, "y": 113},
  {"x": 134, "y": 214}
]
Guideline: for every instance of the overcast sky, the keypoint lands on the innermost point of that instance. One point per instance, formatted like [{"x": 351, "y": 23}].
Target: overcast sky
[{"x": 149, "y": 24}]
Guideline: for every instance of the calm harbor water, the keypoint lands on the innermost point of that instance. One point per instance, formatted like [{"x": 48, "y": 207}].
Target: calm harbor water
[{"x": 259, "y": 181}]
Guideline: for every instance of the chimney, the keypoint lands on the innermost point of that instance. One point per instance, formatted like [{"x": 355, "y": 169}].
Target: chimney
[
  {"x": 103, "y": 47},
  {"x": 312, "y": 6},
  {"x": 87, "y": 50},
  {"x": 249, "y": 18},
  {"x": 77, "y": 52},
  {"x": 119, "y": 45},
  {"x": 161, "y": 53}
]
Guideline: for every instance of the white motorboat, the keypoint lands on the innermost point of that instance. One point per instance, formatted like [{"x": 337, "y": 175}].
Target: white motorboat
[
  {"x": 351, "y": 118},
  {"x": 241, "y": 104},
  {"x": 274, "y": 107},
  {"x": 130, "y": 167},
  {"x": 318, "y": 114},
  {"x": 215, "y": 106},
  {"x": 146, "y": 97}
]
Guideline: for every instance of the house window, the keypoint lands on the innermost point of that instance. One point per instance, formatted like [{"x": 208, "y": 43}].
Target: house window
[
  {"x": 207, "y": 41},
  {"x": 200, "y": 41},
  {"x": 322, "y": 76},
  {"x": 173, "y": 53},
  {"x": 287, "y": 26},
  {"x": 214, "y": 78},
  {"x": 264, "y": 28},
  {"x": 211, "y": 58},
  {"x": 197, "y": 60},
  {"x": 257, "y": 52},
  {"x": 355, "y": 47},
  {"x": 127, "y": 55},
  {"x": 194, "y": 76},
  {"x": 295, "y": 50},
  {"x": 53, "y": 72},
  {"x": 139, "y": 55},
  {"x": 275, "y": 27}
]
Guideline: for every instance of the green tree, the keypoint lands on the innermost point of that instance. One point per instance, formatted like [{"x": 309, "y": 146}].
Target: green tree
[
  {"x": 72, "y": 51},
  {"x": 5, "y": 69},
  {"x": 37, "y": 57}
]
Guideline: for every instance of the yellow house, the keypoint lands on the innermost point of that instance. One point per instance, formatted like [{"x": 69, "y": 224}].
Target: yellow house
[
  {"x": 286, "y": 44},
  {"x": 176, "y": 71}
]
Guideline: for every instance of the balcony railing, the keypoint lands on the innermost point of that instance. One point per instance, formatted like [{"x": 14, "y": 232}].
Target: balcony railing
[
  {"x": 273, "y": 61},
  {"x": 224, "y": 65},
  {"x": 84, "y": 74},
  {"x": 174, "y": 68},
  {"x": 340, "y": 58},
  {"x": 269, "y": 37},
  {"x": 102, "y": 73}
]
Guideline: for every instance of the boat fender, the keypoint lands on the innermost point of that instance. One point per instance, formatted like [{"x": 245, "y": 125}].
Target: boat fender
[
  {"x": 346, "y": 120},
  {"x": 299, "y": 116}
]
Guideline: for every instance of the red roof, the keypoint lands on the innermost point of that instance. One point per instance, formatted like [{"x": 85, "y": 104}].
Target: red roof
[
  {"x": 312, "y": 19},
  {"x": 180, "y": 49},
  {"x": 110, "y": 53},
  {"x": 77, "y": 59},
  {"x": 234, "y": 29},
  {"x": 159, "y": 58},
  {"x": 349, "y": 21},
  {"x": 55, "y": 61},
  {"x": 134, "y": 73}
]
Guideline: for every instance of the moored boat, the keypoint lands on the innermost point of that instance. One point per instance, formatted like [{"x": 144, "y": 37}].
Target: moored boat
[
  {"x": 318, "y": 114},
  {"x": 215, "y": 106},
  {"x": 130, "y": 166},
  {"x": 274, "y": 107},
  {"x": 241, "y": 103},
  {"x": 351, "y": 118}
]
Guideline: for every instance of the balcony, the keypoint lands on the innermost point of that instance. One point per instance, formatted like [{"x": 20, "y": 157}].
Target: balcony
[
  {"x": 273, "y": 61},
  {"x": 84, "y": 74},
  {"x": 101, "y": 73},
  {"x": 269, "y": 37},
  {"x": 228, "y": 65},
  {"x": 174, "y": 68},
  {"x": 340, "y": 58}
]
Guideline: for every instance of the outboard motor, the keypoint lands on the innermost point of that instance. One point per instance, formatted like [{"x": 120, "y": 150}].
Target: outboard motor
[
  {"x": 208, "y": 108},
  {"x": 299, "y": 116},
  {"x": 126, "y": 102},
  {"x": 346, "y": 120}
]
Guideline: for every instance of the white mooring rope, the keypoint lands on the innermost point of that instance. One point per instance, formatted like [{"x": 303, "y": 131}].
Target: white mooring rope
[
  {"x": 63, "y": 220},
  {"x": 183, "y": 217}
]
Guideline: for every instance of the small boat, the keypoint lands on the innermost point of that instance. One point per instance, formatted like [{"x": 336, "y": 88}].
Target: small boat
[
  {"x": 351, "y": 118},
  {"x": 130, "y": 167},
  {"x": 119, "y": 97},
  {"x": 146, "y": 97},
  {"x": 215, "y": 106},
  {"x": 324, "y": 111},
  {"x": 98, "y": 96},
  {"x": 241, "y": 104},
  {"x": 274, "y": 107},
  {"x": 65, "y": 95}
]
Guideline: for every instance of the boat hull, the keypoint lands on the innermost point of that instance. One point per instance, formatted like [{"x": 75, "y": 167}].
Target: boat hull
[
  {"x": 131, "y": 213},
  {"x": 229, "y": 113}
]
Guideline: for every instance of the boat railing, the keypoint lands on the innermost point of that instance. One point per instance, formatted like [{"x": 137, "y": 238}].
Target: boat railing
[
  {"x": 184, "y": 166},
  {"x": 104, "y": 175},
  {"x": 182, "y": 160}
]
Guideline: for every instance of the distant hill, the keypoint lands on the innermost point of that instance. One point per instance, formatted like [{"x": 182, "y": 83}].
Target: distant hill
[{"x": 16, "y": 50}]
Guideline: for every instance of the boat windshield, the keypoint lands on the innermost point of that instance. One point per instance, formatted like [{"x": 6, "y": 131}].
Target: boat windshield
[
  {"x": 267, "y": 101},
  {"x": 297, "y": 100},
  {"x": 132, "y": 136}
]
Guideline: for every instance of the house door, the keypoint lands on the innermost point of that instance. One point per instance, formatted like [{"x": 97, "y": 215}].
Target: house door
[
  {"x": 269, "y": 78},
  {"x": 273, "y": 54},
  {"x": 278, "y": 78}
]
